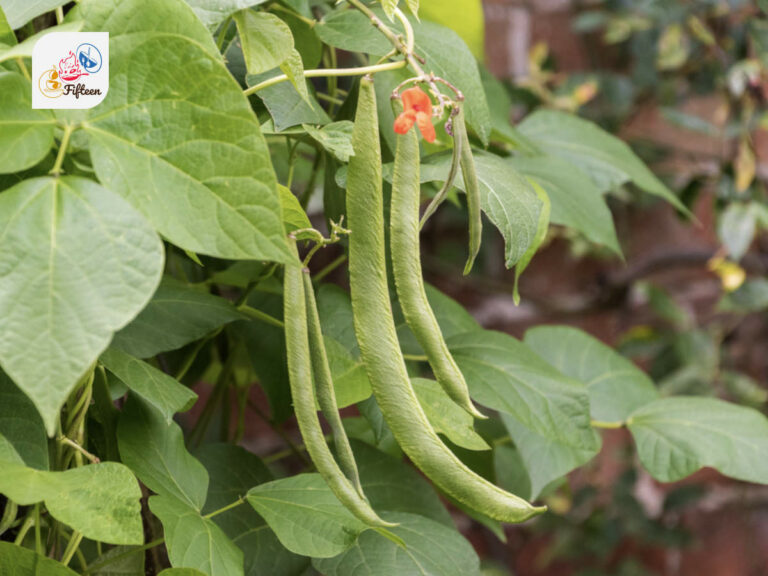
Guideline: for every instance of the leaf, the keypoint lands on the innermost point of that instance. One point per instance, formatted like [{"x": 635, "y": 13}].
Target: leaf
[
  {"x": 285, "y": 105},
  {"x": 99, "y": 500},
  {"x": 306, "y": 516},
  {"x": 166, "y": 394},
  {"x": 19, "y": 12},
  {"x": 446, "y": 417},
  {"x": 350, "y": 30},
  {"x": 541, "y": 235},
  {"x": 413, "y": 6},
  {"x": 677, "y": 436},
  {"x": 6, "y": 32},
  {"x": 266, "y": 40},
  {"x": 506, "y": 197},
  {"x": 431, "y": 549},
  {"x": 294, "y": 69},
  {"x": 608, "y": 161},
  {"x": 22, "y": 426},
  {"x": 26, "y": 135},
  {"x": 203, "y": 177},
  {"x": 576, "y": 200},
  {"x": 77, "y": 263},
  {"x": 392, "y": 486},
  {"x": 547, "y": 414},
  {"x": 510, "y": 471},
  {"x": 389, "y": 8},
  {"x": 294, "y": 217},
  {"x": 465, "y": 17},
  {"x": 736, "y": 228},
  {"x": 122, "y": 18},
  {"x": 335, "y": 137},
  {"x": 616, "y": 386},
  {"x": 195, "y": 542},
  {"x": 155, "y": 451},
  {"x": 119, "y": 561},
  {"x": 213, "y": 12},
  {"x": 752, "y": 296},
  {"x": 233, "y": 471},
  {"x": 25, "y": 562},
  {"x": 25, "y": 48},
  {"x": 177, "y": 315}
]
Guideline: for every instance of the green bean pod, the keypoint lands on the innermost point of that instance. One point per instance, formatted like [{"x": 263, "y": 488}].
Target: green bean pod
[
  {"x": 303, "y": 394},
  {"x": 326, "y": 395},
  {"x": 376, "y": 335},
  {"x": 447, "y": 185},
  {"x": 471, "y": 188},
  {"x": 406, "y": 268}
]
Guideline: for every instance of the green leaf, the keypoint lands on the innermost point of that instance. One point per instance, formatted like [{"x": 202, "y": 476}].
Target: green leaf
[
  {"x": 507, "y": 198},
  {"x": 195, "y": 542},
  {"x": 446, "y": 417},
  {"x": 233, "y": 471},
  {"x": 156, "y": 387},
  {"x": 266, "y": 40},
  {"x": 155, "y": 451},
  {"x": 21, "y": 425},
  {"x": 306, "y": 516},
  {"x": 24, "y": 49},
  {"x": 24, "y": 562},
  {"x": 59, "y": 316},
  {"x": 177, "y": 315},
  {"x": 605, "y": 158},
  {"x": 510, "y": 471},
  {"x": 204, "y": 178},
  {"x": 465, "y": 17},
  {"x": 335, "y": 137},
  {"x": 736, "y": 228},
  {"x": 389, "y": 7},
  {"x": 677, "y": 436},
  {"x": 19, "y": 12},
  {"x": 546, "y": 413},
  {"x": 212, "y": 14},
  {"x": 431, "y": 549},
  {"x": 294, "y": 217},
  {"x": 752, "y": 296},
  {"x": 286, "y": 106},
  {"x": 6, "y": 32},
  {"x": 616, "y": 386},
  {"x": 123, "y": 18},
  {"x": 576, "y": 201},
  {"x": 392, "y": 486},
  {"x": 350, "y": 30},
  {"x": 99, "y": 500},
  {"x": 541, "y": 234},
  {"x": 26, "y": 135},
  {"x": 294, "y": 69},
  {"x": 119, "y": 561}
]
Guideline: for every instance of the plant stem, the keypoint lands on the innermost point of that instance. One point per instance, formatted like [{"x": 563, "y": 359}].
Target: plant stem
[
  {"x": 38, "y": 539},
  {"x": 59, "y": 15},
  {"x": 256, "y": 314},
  {"x": 223, "y": 33},
  {"x": 323, "y": 72},
  {"x": 280, "y": 8},
  {"x": 72, "y": 546},
  {"x": 331, "y": 99},
  {"x": 234, "y": 504},
  {"x": 415, "y": 357},
  {"x": 68, "y": 129},
  {"x": 28, "y": 521},
  {"x": 23, "y": 67},
  {"x": 76, "y": 446}
]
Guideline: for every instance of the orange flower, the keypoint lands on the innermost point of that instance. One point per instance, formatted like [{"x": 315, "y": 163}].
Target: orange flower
[{"x": 417, "y": 110}]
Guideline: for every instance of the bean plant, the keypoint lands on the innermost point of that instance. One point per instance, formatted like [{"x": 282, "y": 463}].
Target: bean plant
[{"x": 160, "y": 291}]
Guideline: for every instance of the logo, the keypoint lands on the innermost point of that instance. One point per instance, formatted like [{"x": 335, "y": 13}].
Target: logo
[{"x": 72, "y": 70}]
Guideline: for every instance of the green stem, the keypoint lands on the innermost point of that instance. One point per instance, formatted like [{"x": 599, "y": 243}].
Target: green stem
[
  {"x": 76, "y": 446},
  {"x": 29, "y": 520},
  {"x": 330, "y": 99},
  {"x": 38, "y": 538},
  {"x": 234, "y": 504},
  {"x": 323, "y": 72},
  {"x": 606, "y": 425},
  {"x": 68, "y": 129},
  {"x": 23, "y": 67},
  {"x": 9, "y": 516},
  {"x": 415, "y": 357},
  {"x": 59, "y": 15},
  {"x": 190, "y": 358},
  {"x": 280, "y": 8},
  {"x": 72, "y": 546},
  {"x": 256, "y": 314}
]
